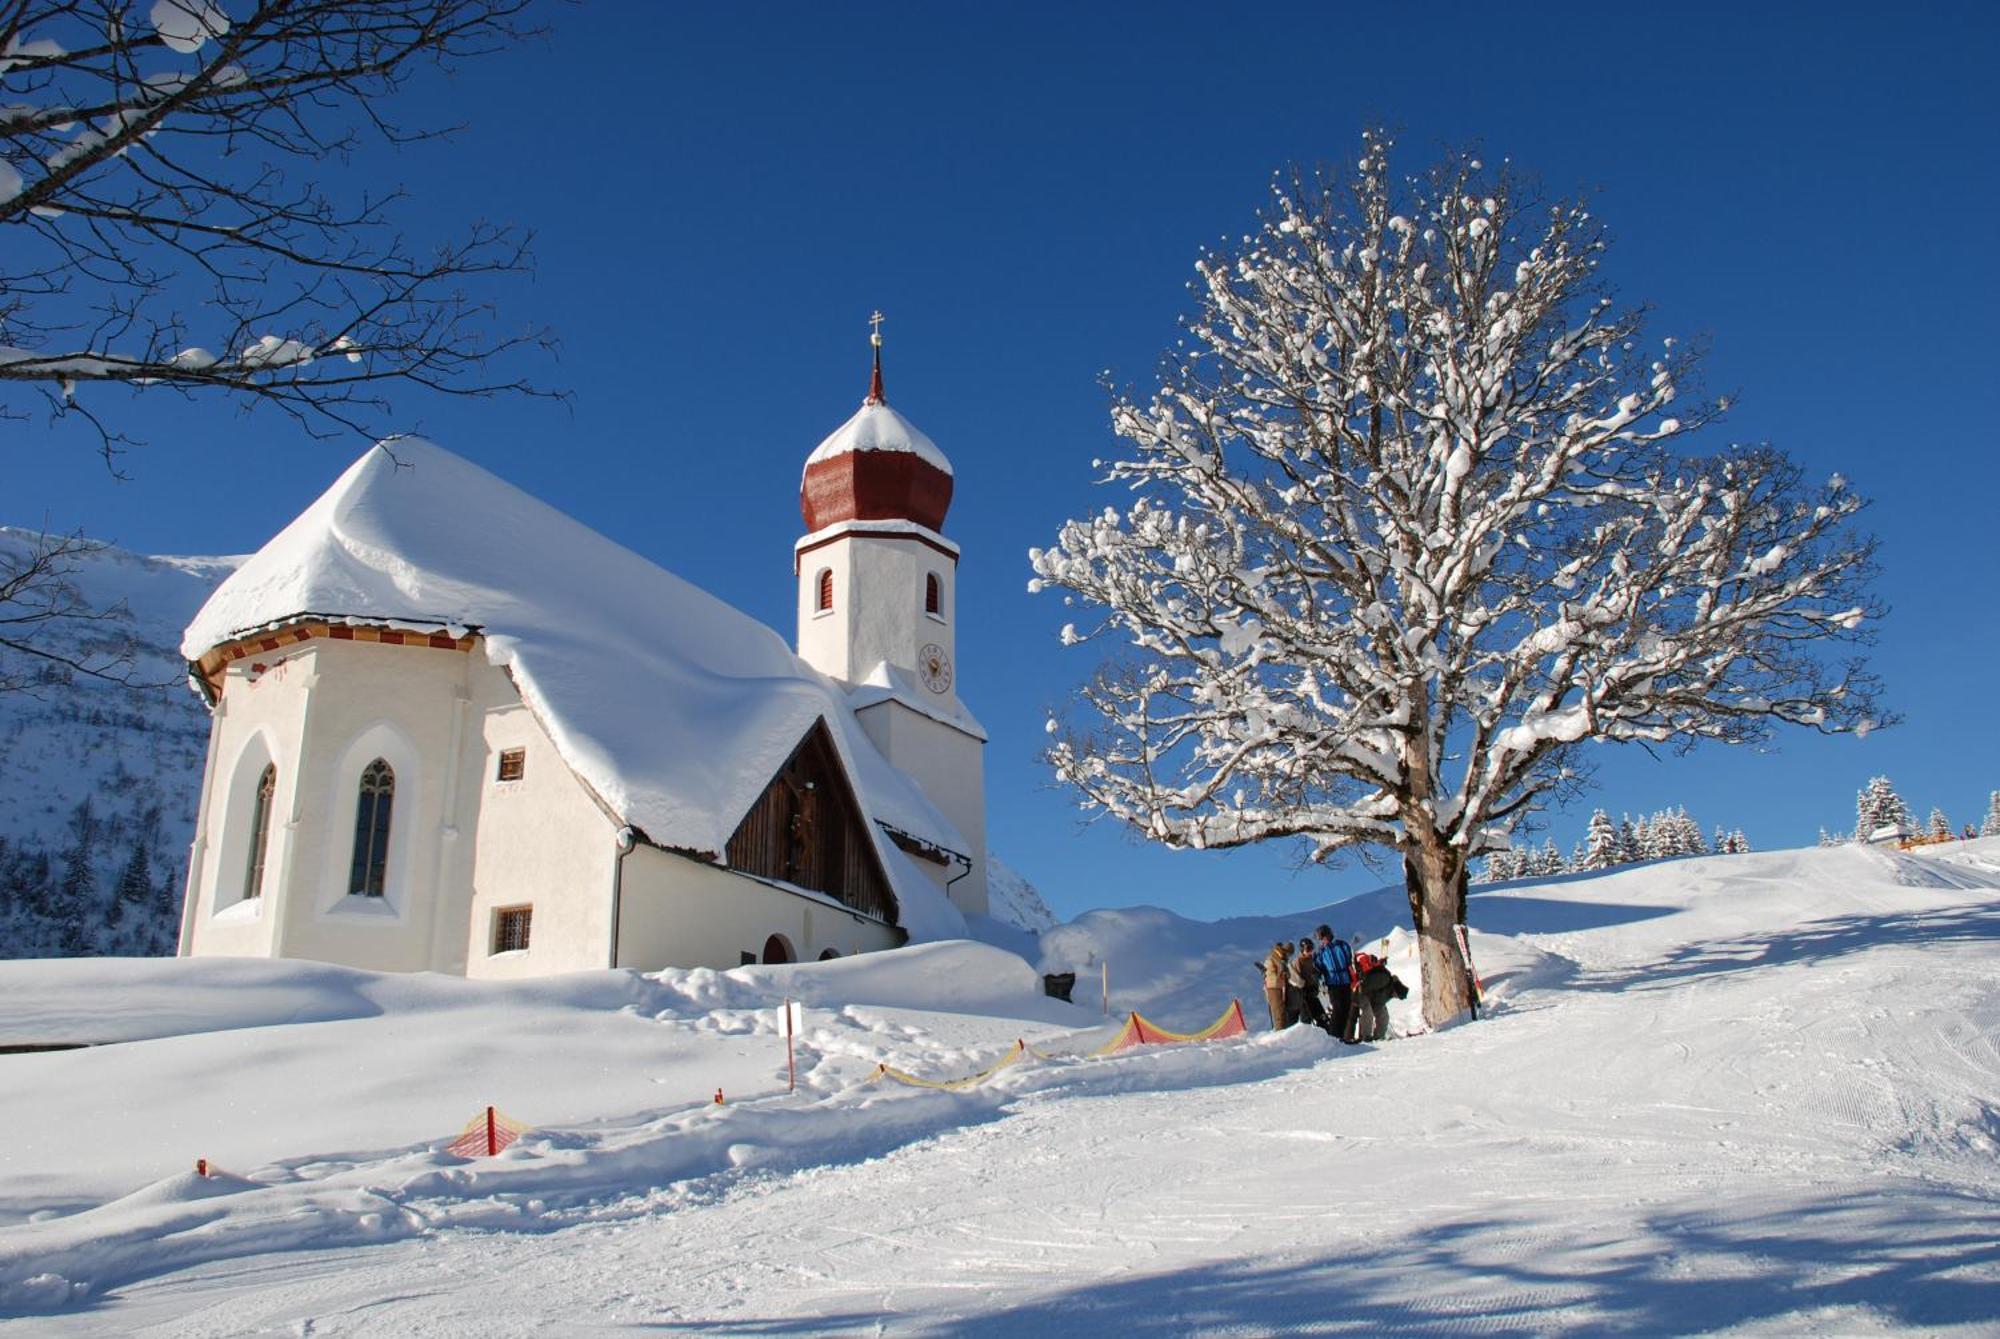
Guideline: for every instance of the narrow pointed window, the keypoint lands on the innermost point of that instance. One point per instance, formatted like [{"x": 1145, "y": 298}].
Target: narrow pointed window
[
  {"x": 933, "y": 594},
  {"x": 260, "y": 831},
  {"x": 824, "y": 601},
  {"x": 371, "y": 830}
]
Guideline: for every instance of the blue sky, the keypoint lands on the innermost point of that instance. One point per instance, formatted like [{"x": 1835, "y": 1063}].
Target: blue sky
[{"x": 721, "y": 195}]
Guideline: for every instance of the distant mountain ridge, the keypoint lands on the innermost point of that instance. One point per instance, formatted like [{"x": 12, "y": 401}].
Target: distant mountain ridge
[{"x": 99, "y": 780}]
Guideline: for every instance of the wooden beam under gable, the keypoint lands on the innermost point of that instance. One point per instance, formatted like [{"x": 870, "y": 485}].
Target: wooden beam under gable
[{"x": 808, "y": 829}]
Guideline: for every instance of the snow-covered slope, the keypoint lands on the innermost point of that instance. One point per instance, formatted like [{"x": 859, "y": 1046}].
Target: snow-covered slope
[
  {"x": 1757, "y": 1092},
  {"x": 1011, "y": 898},
  {"x": 132, "y": 749}
]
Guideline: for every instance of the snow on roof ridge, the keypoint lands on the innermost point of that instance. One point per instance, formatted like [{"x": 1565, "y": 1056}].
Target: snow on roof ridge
[
  {"x": 675, "y": 707},
  {"x": 877, "y": 427}
]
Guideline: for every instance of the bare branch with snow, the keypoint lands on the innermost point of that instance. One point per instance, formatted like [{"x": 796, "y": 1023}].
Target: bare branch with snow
[{"x": 165, "y": 170}]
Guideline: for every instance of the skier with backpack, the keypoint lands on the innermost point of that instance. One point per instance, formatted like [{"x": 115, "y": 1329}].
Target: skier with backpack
[
  {"x": 1374, "y": 984},
  {"x": 1336, "y": 967}
]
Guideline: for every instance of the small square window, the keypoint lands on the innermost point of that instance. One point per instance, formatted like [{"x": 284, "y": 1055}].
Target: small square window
[
  {"x": 510, "y": 928},
  {"x": 513, "y": 762},
  {"x": 749, "y": 959}
]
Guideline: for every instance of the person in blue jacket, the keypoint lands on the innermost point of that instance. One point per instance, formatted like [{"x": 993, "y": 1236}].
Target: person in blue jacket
[{"x": 1336, "y": 965}]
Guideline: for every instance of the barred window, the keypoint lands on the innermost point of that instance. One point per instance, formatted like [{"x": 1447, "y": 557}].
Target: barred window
[
  {"x": 510, "y": 928},
  {"x": 513, "y": 764}
]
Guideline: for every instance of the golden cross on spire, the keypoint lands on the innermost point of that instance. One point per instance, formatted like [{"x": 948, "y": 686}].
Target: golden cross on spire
[{"x": 875, "y": 377}]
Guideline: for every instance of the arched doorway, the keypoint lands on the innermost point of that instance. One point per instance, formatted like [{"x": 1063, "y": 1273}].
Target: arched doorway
[
  {"x": 778, "y": 949},
  {"x": 828, "y": 955}
]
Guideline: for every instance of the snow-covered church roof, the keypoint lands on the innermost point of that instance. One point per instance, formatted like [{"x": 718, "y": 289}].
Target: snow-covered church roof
[
  {"x": 675, "y": 708},
  {"x": 876, "y": 427}
]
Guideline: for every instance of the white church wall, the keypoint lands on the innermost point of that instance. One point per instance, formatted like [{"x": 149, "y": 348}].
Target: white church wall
[
  {"x": 540, "y": 841},
  {"x": 370, "y": 701},
  {"x": 219, "y": 918},
  {"x": 826, "y": 634},
  {"x": 950, "y": 765},
  {"x": 878, "y": 604},
  {"x": 676, "y": 911}
]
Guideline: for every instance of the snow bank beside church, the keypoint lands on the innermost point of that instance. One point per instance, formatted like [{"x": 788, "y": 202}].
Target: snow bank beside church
[{"x": 675, "y": 708}]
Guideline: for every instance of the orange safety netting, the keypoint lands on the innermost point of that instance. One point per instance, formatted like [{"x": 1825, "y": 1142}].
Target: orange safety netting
[
  {"x": 1139, "y": 1032},
  {"x": 486, "y": 1134}
]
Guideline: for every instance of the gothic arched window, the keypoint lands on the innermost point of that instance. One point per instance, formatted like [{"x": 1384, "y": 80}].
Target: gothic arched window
[
  {"x": 933, "y": 594},
  {"x": 260, "y": 831},
  {"x": 371, "y": 830},
  {"x": 823, "y": 601}
]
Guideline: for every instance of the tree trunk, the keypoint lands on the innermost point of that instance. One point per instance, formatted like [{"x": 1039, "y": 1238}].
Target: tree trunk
[{"x": 1436, "y": 882}]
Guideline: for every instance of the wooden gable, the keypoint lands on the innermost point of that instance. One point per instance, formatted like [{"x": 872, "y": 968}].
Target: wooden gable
[{"x": 808, "y": 829}]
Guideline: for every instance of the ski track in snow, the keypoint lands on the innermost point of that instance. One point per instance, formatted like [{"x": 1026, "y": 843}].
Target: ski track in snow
[{"x": 1758, "y": 1094}]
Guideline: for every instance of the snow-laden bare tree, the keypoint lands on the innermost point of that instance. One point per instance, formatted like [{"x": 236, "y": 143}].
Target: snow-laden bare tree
[
  {"x": 167, "y": 218},
  {"x": 1408, "y": 522}
]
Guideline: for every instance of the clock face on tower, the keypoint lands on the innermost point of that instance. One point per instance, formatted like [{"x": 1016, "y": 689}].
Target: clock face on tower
[{"x": 935, "y": 666}]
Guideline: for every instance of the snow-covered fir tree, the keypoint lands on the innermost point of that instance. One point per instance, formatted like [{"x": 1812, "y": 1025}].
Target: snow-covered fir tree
[
  {"x": 1878, "y": 806},
  {"x": 1828, "y": 839},
  {"x": 1408, "y": 519},
  {"x": 1991, "y": 827},
  {"x": 1628, "y": 840},
  {"x": 1601, "y": 848},
  {"x": 1646, "y": 840},
  {"x": 1738, "y": 843},
  {"x": 1940, "y": 826}
]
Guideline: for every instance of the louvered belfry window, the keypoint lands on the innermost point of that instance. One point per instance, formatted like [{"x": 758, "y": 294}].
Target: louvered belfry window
[
  {"x": 933, "y": 594},
  {"x": 377, "y": 797},
  {"x": 823, "y": 601},
  {"x": 806, "y": 829}
]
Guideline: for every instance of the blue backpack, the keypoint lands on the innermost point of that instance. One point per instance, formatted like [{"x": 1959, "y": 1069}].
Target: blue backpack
[{"x": 1336, "y": 962}]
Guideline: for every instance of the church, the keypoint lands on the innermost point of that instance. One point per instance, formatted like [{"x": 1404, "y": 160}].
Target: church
[{"x": 454, "y": 730}]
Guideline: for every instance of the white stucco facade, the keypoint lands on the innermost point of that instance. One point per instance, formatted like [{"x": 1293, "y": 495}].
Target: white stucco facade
[{"x": 464, "y": 844}]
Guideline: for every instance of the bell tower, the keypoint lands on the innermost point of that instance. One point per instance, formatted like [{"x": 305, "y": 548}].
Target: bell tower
[{"x": 878, "y": 608}]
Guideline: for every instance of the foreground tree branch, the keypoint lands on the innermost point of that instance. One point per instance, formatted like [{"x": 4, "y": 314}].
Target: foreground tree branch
[
  {"x": 166, "y": 157},
  {"x": 37, "y": 598},
  {"x": 1410, "y": 522}
]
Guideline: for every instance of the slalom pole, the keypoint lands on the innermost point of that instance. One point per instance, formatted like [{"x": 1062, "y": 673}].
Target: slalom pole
[
  {"x": 1104, "y": 976},
  {"x": 492, "y": 1135},
  {"x": 791, "y": 1063}
]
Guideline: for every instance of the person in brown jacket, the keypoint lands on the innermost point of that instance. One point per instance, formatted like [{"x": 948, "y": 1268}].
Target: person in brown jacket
[
  {"x": 1276, "y": 963},
  {"x": 1303, "y": 976}
]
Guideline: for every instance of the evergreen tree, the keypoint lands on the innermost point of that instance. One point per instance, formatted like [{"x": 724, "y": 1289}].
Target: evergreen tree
[
  {"x": 76, "y": 891},
  {"x": 1991, "y": 828},
  {"x": 1879, "y": 806},
  {"x": 1738, "y": 843},
  {"x": 1628, "y": 840},
  {"x": 1600, "y": 843},
  {"x": 1827, "y": 838},
  {"x": 1940, "y": 825},
  {"x": 1647, "y": 835},
  {"x": 1721, "y": 844}
]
